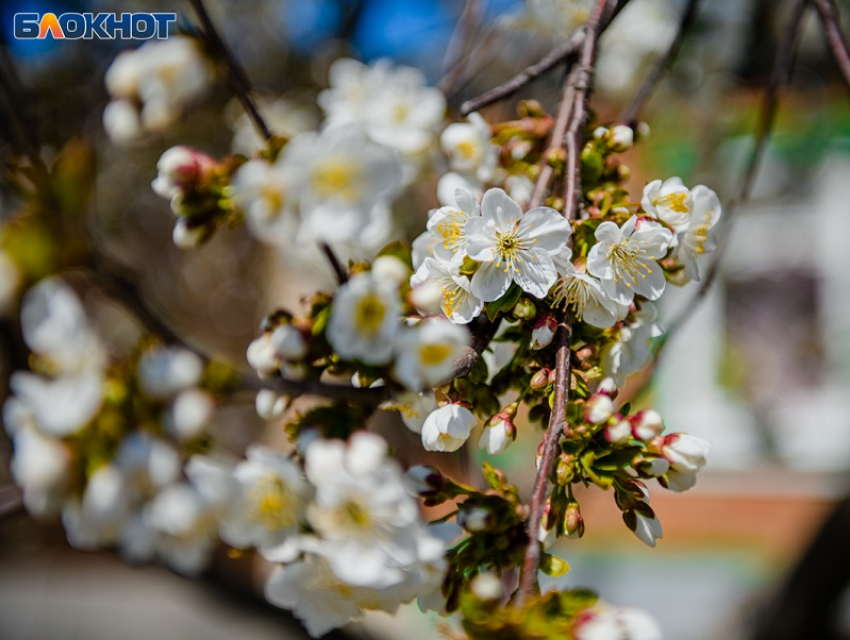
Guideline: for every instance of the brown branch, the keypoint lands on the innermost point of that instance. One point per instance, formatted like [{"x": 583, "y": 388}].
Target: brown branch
[
  {"x": 570, "y": 49},
  {"x": 661, "y": 65},
  {"x": 239, "y": 80},
  {"x": 583, "y": 78},
  {"x": 11, "y": 502},
  {"x": 458, "y": 50},
  {"x": 838, "y": 45},
  {"x": 780, "y": 74},
  {"x": 333, "y": 260}
]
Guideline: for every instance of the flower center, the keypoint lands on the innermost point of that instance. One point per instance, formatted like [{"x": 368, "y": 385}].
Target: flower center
[
  {"x": 467, "y": 149},
  {"x": 453, "y": 230},
  {"x": 270, "y": 501},
  {"x": 356, "y": 514},
  {"x": 508, "y": 246},
  {"x": 369, "y": 314},
  {"x": 274, "y": 197},
  {"x": 628, "y": 262},
  {"x": 335, "y": 177},
  {"x": 433, "y": 354},
  {"x": 673, "y": 201},
  {"x": 574, "y": 292}
]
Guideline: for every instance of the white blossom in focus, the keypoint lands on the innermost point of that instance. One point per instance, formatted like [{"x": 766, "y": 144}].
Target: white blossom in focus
[
  {"x": 685, "y": 453},
  {"x": 449, "y": 225},
  {"x": 365, "y": 319},
  {"x": 582, "y": 293},
  {"x": 455, "y": 299},
  {"x": 514, "y": 247},
  {"x": 448, "y": 428},
  {"x": 633, "y": 347},
  {"x": 670, "y": 201},
  {"x": 625, "y": 259},
  {"x": 697, "y": 239}
]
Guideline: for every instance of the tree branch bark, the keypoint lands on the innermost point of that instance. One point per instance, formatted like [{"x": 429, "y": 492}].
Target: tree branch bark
[
  {"x": 582, "y": 77},
  {"x": 835, "y": 39}
]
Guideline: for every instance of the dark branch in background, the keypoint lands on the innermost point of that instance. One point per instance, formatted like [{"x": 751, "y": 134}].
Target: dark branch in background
[
  {"x": 123, "y": 284},
  {"x": 333, "y": 260},
  {"x": 458, "y": 51},
  {"x": 661, "y": 65},
  {"x": 11, "y": 502},
  {"x": 241, "y": 85},
  {"x": 582, "y": 77},
  {"x": 832, "y": 28},
  {"x": 779, "y": 75},
  {"x": 567, "y": 52}
]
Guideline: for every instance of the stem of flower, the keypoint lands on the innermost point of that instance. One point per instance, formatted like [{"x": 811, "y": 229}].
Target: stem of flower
[
  {"x": 567, "y": 51},
  {"x": 333, "y": 260},
  {"x": 239, "y": 80},
  {"x": 838, "y": 45},
  {"x": 635, "y": 106}
]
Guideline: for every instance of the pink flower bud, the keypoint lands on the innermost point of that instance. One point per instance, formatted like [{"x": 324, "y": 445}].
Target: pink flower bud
[
  {"x": 608, "y": 388},
  {"x": 180, "y": 168},
  {"x": 686, "y": 454},
  {"x": 598, "y": 409},
  {"x": 619, "y": 432},
  {"x": 646, "y": 425},
  {"x": 543, "y": 332}
]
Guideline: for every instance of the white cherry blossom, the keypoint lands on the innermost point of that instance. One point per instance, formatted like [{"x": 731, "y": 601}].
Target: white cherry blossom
[
  {"x": 449, "y": 225},
  {"x": 469, "y": 147},
  {"x": 670, "y": 201},
  {"x": 633, "y": 347},
  {"x": 365, "y": 319},
  {"x": 617, "y": 624},
  {"x": 625, "y": 259},
  {"x": 697, "y": 239},
  {"x": 428, "y": 351},
  {"x": 456, "y": 300},
  {"x": 583, "y": 294},
  {"x": 448, "y": 428},
  {"x": 514, "y": 247}
]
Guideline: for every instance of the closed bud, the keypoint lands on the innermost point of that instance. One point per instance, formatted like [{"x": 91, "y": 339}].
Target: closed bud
[
  {"x": 564, "y": 471},
  {"x": 540, "y": 379},
  {"x": 543, "y": 332},
  {"x": 619, "y": 432},
  {"x": 288, "y": 342},
  {"x": 647, "y": 424},
  {"x": 573, "y": 521},
  {"x": 422, "y": 481},
  {"x": 622, "y": 138},
  {"x": 686, "y": 454},
  {"x": 524, "y": 309},
  {"x": 474, "y": 519},
  {"x": 598, "y": 409},
  {"x": 487, "y": 587},
  {"x": 652, "y": 467},
  {"x": 608, "y": 387},
  {"x": 427, "y": 297},
  {"x": 391, "y": 269},
  {"x": 498, "y": 435}
]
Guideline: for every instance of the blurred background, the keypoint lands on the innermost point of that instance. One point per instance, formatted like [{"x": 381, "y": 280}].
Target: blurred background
[{"x": 761, "y": 369}]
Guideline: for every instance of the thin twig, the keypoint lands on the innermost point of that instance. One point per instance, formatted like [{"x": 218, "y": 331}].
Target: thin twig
[
  {"x": 832, "y": 28},
  {"x": 239, "y": 80},
  {"x": 458, "y": 50},
  {"x": 570, "y": 49},
  {"x": 635, "y": 106},
  {"x": 780, "y": 74},
  {"x": 333, "y": 260},
  {"x": 556, "y": 141},
  {"x": 558, "y": 421}
]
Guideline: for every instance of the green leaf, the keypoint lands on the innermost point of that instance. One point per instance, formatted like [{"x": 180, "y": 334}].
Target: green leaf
[
  {"x": 398, "y": 249},
  {"x": 626, "y": 408},
  {"x": 503, "y": 304},
  {"x": 491, "y": 476}
]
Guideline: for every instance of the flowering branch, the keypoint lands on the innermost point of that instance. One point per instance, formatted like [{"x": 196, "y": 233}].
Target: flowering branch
[
  {"x": 241, "y": 85},
  {"x": 333, "y": 260},
  {"x": 567, "y": 52},
  {"x": 838, "y": 45},
  {"x": 635, "y": 106},
  {"x": 578, "y": 91}
]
